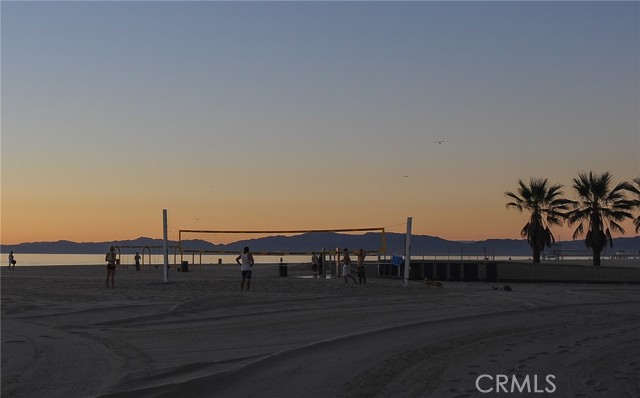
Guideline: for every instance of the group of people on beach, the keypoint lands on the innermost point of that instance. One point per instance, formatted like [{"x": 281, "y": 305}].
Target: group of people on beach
[
  {"x": 246, "y": 262},
  {"x": 317, "y": 265},
  {"x": 360, "y": 270}
]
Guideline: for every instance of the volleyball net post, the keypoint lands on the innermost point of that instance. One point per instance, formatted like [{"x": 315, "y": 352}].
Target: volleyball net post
[
  {"x": 407, "y": 252},
  {"x": 165, "y": 247}
]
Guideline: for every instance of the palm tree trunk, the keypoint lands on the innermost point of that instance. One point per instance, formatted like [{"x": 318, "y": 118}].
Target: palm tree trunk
[
  {"x": 536, "y": 255},
  {"x": 596, "y": 257}
]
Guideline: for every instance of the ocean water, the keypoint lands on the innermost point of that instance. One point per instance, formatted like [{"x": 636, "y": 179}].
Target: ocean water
[
  {"x": 53, "y": 259},
  {"x": 27, "y": 259}
]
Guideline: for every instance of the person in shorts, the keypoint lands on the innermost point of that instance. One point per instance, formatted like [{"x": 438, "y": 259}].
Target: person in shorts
[
  {"x": 346, "y": 267},
  {"x": 314, "y": 263},
  {"x": 360, "y": 266},
  {"x": 12, "y": 261},
  {"x": 110, "y": 258},
  {"x": 245, "y": 260}
]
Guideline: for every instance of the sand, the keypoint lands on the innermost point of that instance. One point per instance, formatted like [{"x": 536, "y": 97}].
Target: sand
[{"x": 64, "y": 334}]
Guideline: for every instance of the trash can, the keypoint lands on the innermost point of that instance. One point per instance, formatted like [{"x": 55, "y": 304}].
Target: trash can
[
  {"x": 185, "y": 266},
  {"x": 283, "y": 269}
]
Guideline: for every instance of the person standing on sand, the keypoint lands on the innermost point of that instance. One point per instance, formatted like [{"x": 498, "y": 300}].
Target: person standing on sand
[
  {"x": 360, "y": 266},
  {"x": 346, "y": 267},
  {"x": 245, "y": 267},
  {"x": 314, "y": 263},
  {"x": 12, "y": 261},
  {"x": 110, "y": 258},
  {"x": 137, "y": 260}
]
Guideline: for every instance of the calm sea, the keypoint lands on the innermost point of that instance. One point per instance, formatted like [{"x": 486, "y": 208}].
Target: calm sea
[
  {"x": 25, "y": 259},
  {"x": 53, "y": 259}
]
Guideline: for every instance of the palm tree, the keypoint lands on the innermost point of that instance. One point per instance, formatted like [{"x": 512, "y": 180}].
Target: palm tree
[
  {"x": 547, "y": 207},
  {"x": 635, "y": 189},
  {"x": 600, "y": 208}
]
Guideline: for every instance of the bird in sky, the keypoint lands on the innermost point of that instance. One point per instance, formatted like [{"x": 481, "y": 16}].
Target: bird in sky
[{"x": 439, "y": 142}]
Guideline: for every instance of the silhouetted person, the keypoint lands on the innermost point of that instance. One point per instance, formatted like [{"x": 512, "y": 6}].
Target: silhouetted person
[
  {"x": 12, "y": 261},
  {"x": 360, "y": 266},
  {"x": 110, "y": 258},
  {"x": 346, "y": 267},
  {"x": 245, "y": 260},
  {"x": 314, "y": 263},
  {"x": 137, "y": 259}
]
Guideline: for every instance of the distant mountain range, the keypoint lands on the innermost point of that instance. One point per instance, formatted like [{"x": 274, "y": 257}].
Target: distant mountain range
[{"x": 420, "y": 244}]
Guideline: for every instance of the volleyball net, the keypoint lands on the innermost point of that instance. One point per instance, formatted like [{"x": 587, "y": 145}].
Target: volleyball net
[{"x": 281, "y": 243}]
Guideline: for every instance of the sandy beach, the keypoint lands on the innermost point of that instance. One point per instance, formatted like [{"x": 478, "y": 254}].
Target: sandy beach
[{"x": 64, "y": 334}]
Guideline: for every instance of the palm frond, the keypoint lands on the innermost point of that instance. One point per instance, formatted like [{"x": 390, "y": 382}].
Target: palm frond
[
  {"x": 578, "y": 232},
  {"x": 524, "y": 231},
  {"x": 609, "y": 238}
]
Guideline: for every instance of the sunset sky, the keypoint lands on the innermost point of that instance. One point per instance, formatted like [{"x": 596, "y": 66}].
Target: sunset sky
[{"x": 307, "y": 115}]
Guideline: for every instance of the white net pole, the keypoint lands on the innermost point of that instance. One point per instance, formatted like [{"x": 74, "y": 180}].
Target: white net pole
[
  {"x": 407, "y": 253},
  {"x": 165, "y": 247}
]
